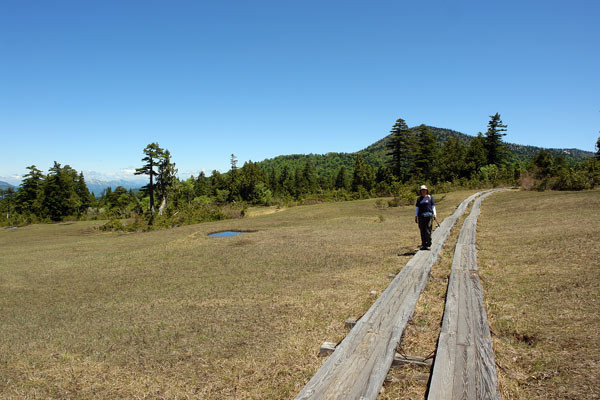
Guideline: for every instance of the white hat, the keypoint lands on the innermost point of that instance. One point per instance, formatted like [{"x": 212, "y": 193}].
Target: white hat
[{"x": 423, "y": 187}]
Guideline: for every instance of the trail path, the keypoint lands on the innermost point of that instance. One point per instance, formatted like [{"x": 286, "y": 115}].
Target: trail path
[
  {"x": 464, "y": 363},
  {"x": 358, "y": 366}
]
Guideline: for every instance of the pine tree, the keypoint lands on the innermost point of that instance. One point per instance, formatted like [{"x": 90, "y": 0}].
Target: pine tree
[
  {"x": 165, "y": 178},
  {"x": 341, "y": 180},
  {"x": 426, "y": 153},
  {"x": 476, "y": 155},
  {"x": 286, "y": 181},
  {"x": 310, "y": 177},
  {"x": 401, "y": 147},
  {"x": 452, "y": 160},
  {"x": 363, "y": 175},
  {"x": 59, "y": 197},
  {"x": 598, "y": 149},
  {"x": 201, "y": 185},
  {"x": 28, "y": 197},
  {"x": 83, "y": 192},
  {"x": 153, "y": 154},
  {"x": 493, "y": 140}
]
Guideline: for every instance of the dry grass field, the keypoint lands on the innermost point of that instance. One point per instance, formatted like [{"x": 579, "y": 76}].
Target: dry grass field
[
  {"x": 175, "y": 314},
  {"x": 540, "y": 267}
]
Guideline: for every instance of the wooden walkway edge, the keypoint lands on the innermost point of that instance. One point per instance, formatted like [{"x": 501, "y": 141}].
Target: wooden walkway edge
[
  {"x": 358, "y": 366},
  {"x": 464, "y": 365}
]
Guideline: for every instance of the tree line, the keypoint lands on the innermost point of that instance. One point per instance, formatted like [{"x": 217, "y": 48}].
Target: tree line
[{"x": 412, "y": 157}]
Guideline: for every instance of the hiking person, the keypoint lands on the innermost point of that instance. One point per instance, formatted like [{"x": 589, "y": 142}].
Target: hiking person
[{"x": 425, "y": 213}]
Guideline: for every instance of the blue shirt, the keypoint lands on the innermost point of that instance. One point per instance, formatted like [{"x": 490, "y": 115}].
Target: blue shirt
[{"x": 425, "y": 205}]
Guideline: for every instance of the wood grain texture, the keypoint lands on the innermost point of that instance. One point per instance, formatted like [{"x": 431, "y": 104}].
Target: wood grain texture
[
  {"x": 464, "y": 365},
  {"x": 358, "y": 366}
]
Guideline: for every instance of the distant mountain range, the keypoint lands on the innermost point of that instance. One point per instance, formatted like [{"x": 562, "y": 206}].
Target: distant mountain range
[
  {"x": 97, "y": 186},
  {"x": 5, "y": 185}
]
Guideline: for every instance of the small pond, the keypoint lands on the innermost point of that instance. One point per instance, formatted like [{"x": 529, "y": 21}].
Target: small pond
[{"x": 225, "y": 234}]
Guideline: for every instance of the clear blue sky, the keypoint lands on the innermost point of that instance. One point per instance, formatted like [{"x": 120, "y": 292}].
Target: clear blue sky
[{"x": 91, "y": 83}]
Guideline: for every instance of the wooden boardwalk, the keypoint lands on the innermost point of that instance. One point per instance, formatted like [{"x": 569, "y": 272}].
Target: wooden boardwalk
[
  {"x": 358, "y": 366},
  {"x": 464, "y": 363}
]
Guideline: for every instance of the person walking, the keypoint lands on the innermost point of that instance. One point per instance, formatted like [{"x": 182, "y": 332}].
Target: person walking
[{"x": 425, "y": 213}]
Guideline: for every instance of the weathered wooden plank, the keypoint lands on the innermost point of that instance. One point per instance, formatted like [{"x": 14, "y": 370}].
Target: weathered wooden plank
[
  {"x": 403, "y": 359},
  {"x": 464, "y": 366},
  {"x": 358, "y": 366}
]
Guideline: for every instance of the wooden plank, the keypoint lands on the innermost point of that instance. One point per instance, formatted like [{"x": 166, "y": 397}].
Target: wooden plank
[
  {"x": 403, "y": 359},
  {"x": 358, "y": 366},
  {"x": 464, "y": 366}
]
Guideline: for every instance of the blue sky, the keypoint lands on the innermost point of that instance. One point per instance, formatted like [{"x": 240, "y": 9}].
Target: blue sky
[{"x": 91, "y": 83}]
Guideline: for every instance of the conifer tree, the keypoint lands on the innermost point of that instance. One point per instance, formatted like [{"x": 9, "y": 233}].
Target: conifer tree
[
  {"x": 165, "y": 178},
  {"x": 309, "y": 177},
  {"x": 426, "y": 153},
  {"x": 341, "y": 180},
  {"x": 286, "y": 181},
  {"x": 476, "y": 155},
  {"x": 598, "y": 149},
  {"x": 363, "y": 175},
  {"x": 28, "y": 196},
  {"x": 493, "y": 140},
  {"x": 401, "y": 147},
  {"x": 83, "y": 192},
  {"x": 59, "y": 196},
  {"x": 153, "y": 154},
  {"x": 201, "y": 184},
  {"x": 452, "y": 160}
]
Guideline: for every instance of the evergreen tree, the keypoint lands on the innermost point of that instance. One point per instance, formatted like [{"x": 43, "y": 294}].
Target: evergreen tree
[
  {"x": 251, "y": 176},
  {"x": 59, "y": 197},
  {"x": 598, "y": 149},
  {"x": 8, "y": 197},
  {"x": 341, "y": 180},
  {"x": 401, "y": 148},
  {"x": 28, "y": 197},
  {"x": 384, "y": 175},
  {"x": 493, "y": 140},
  {"x": 363, "y": 175},
  {"x": 153, "y": 154},
  {"x": 309, "y": 177},
  {"x": 286, "y": 181},
  {"x": 234, "y": 183},
  {"x": 165, "y": 178},
  {"x": 84, "y": 194},
  {"x": 426, "y": 154},
  {"x": 452, "y": 163},
  {"x": 476, "y": 155},
  {"x": 544, "y": 164},
  {"x": 201, "y": 185},
  {"x": 273, "y": 181}
]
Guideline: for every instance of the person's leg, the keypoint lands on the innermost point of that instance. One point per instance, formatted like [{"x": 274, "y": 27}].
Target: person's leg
[
  {"x": 429, "y": 228},
  {"x": 423, "y": 228}
]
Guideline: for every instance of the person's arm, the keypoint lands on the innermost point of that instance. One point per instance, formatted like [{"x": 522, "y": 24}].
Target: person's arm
[
  {"x": 416, "y": 215},
  {"x": 433, "y": 208}
]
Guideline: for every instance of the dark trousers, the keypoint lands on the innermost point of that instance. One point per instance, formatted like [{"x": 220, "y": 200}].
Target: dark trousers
[{"x": 425, "y": 226}]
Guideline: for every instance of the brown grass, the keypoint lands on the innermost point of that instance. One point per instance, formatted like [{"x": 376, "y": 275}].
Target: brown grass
[
  {"x": 175, "y": 314},
  {"x": 540, "y": 268}
]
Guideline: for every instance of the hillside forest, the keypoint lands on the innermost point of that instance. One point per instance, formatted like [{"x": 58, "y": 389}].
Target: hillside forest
[{"x": 393, "y": 167}]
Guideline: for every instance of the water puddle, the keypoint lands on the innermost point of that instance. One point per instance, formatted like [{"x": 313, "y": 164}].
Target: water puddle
[{"x": 225, "y": 234}]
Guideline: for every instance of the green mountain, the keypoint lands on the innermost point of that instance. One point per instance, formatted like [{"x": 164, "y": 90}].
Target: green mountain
[{"x": 327, "y": 165}]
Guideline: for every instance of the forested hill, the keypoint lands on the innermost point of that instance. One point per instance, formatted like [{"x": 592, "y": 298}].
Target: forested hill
[{"x": 327, "y": 165}]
